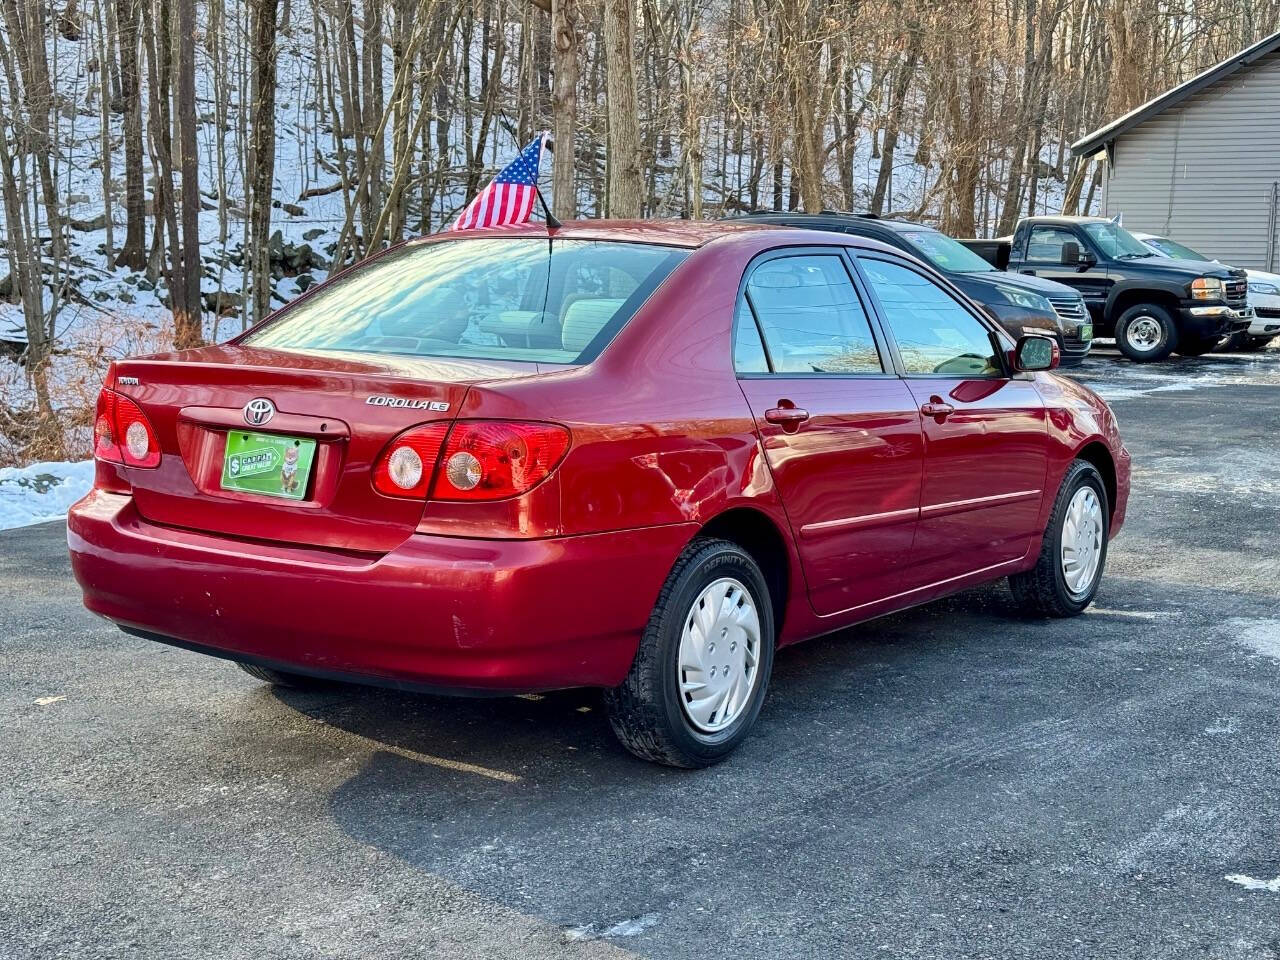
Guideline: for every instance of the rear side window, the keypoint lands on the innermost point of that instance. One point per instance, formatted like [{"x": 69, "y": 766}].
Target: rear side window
[
  {"x": 811, "y": 317},
  {"x": 494, "y": 298},
  {"x": 934, "y": 333}
]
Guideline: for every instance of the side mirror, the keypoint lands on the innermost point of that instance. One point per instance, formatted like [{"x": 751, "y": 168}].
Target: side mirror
[
  {"x": 1036, "y": 353},
  {"x": 1070, "y": 254}
]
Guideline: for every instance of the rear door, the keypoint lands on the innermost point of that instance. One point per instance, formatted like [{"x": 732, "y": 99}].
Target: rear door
[
  {"x": 985, "y": 432},
  {"x": 841, "y": 433}
]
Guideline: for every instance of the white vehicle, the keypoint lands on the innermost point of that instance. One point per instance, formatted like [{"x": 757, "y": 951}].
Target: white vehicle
[{"x": 1264, "y": 294}]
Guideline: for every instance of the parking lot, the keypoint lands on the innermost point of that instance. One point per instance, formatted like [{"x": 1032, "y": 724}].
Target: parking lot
[{"x": 948, "y": 782}]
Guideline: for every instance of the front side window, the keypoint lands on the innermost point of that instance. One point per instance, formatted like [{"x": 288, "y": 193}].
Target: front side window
[
  {"x": 1045, "y": 245},
  {"x": 493, "y": 298},
  {"x": 935, "y": 334},
  {"x": 811, "y": 317}
]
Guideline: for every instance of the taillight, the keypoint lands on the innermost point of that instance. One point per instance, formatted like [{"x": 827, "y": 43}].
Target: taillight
[
  {"x": 406, "y": 465},
  {"x": 492, "y": 460},
  {"x": 122, "y": 433},
  {"x": 106, "y": 446},
  {"x": 481, "y": 460}
]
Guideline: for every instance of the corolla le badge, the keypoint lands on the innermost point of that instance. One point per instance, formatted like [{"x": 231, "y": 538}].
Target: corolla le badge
[
  {"x": 259, "y": 411},
  {"x": 380, "y": 400}
]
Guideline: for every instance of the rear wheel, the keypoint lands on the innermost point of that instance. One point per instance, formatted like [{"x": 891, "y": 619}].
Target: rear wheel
[
  {"x": 1074, "y": 551},
  {"x": 282, "y": 678},
  {"x": 699, "y": 677},
  {"x": 1196, "y": 346},
  {"x": 1146, "y": 332}
]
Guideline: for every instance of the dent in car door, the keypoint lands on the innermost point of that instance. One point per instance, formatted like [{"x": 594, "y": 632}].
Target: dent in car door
[
  {"x": 841, "y": 437},
  {"x": 985, "y": 434}
]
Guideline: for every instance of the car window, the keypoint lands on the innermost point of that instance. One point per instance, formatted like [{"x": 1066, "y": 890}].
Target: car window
[
  {"x": 497, "y": 298},
  {"x": 935, "y": 334},
  {"x": 945, "y": 253},
  {"x": 812, "y": 319},
  {"x": 1045, "y": 245},
  {"x": 748, "y": 348}
]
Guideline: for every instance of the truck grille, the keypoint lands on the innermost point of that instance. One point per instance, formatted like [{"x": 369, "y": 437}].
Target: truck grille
[{"x": 1237, "y": 293}]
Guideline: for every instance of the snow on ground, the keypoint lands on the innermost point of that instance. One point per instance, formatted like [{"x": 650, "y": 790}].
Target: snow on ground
[{"x": 41, "y": 491}]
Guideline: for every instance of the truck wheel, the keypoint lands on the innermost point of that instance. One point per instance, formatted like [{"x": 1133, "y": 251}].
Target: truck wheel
[
  {"x": 1145, "y": 333},
  {"x": 699, "y": 677},
  {"x": 1074, "y": 550},
  {"x": 1196, "y": 346}
]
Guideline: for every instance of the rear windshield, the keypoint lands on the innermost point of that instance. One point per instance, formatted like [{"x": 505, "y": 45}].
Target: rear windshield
[{"x": 496, "y": 298}]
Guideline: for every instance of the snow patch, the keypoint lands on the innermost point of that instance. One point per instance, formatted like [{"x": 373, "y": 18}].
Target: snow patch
[
  {"x": 1260, "y": 635},
  {"x": 630, "y": 927},
  {"x": 41, "y": 491},
  {"x": 1269, "y": 886}
]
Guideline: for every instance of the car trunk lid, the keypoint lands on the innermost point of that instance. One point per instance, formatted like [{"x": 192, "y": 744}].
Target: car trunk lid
[{"x": 349, "y": 405}]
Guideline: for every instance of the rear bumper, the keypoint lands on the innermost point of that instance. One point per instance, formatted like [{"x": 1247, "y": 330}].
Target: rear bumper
[{"x": 464, "y": 615}]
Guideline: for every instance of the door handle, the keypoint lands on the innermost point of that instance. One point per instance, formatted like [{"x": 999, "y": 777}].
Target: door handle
[
  {"x": 789, "y": 418},
  {"x": 937, "y": 407}
]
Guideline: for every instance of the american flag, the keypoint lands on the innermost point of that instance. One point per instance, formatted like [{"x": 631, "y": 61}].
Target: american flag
[{"x": 509, "y": 197}]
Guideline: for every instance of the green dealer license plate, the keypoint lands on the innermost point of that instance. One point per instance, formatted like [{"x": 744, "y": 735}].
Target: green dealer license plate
[
  {"x": 1086, "y": 331},
  {"x": 268, "y": 464}
]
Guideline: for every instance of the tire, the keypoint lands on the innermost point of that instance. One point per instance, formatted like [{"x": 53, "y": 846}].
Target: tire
[
  {"x": 282, "y": 678},
  {"x": 1146, "y": 333},
  {"x": 1195, "y": 346},
  {"x": 1045, "y": 589},
  {"x": 650, "y": 713}
]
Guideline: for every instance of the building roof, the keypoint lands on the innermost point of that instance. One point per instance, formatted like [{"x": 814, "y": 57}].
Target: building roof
[{"x": 1104, "y": 136}]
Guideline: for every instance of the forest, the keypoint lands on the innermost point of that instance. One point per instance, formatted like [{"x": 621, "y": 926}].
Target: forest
[{"x": 173, "y": 170}]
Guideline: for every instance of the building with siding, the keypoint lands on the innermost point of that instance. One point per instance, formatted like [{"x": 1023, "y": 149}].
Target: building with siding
[{"x": 1201, "y": 163}]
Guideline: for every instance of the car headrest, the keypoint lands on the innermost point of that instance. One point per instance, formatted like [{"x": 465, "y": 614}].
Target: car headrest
[
  {"x": 584, "y": 319},
  {"x": 516, "y": 326}
]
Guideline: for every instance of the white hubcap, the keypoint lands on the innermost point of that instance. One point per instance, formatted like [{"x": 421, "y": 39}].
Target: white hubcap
[
  {"x": 1082, "y": 541},
  {"x": 1145, "y": 333},
  {"x": 719, "y": 655}
]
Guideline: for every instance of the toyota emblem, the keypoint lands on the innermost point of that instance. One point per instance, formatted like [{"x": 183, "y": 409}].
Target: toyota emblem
[{"x": 259, "y": 411}]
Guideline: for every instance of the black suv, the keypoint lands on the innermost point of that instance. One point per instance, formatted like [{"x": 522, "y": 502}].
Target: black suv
[
  {"x": 1020, "y": 304},
  {"x": 1152, "y": 305}
]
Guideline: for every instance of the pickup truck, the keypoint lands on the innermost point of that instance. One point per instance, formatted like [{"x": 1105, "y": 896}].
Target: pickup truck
[{"x": 1152, "y": 305}]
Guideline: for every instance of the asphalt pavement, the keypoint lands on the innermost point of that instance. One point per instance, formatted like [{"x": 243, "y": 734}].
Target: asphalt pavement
[{"x": 953, "y": 781}]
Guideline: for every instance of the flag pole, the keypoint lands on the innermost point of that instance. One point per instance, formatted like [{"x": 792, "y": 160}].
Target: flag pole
[{"x": 552, "y": 221}]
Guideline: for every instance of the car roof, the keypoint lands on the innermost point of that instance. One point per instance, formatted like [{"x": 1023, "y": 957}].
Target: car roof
[
  {"x": 677, "y": 233},
  {"x": 867, "y": 221}
]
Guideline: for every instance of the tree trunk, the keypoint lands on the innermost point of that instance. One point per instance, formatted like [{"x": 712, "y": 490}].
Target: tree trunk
[
  {"x": 133, "y": 253},
  {"x": 564, "y": 106},
  {"x": 626, "y": 184},
  {"x": 262, "y": 149},
  {"x": 185, "y": 292},
  {"x": 889, "y": 144}
]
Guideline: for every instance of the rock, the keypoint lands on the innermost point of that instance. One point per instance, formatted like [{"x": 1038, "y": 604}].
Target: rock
[
  {"x": 305, "y": 281},
  {"x": 225, "y": 303},
  {"x": 313, "y": 234},
  {"x": 74, "y": 198},
  {"x": 293, "y": 210},
  {"x": 86, "y": 226}
]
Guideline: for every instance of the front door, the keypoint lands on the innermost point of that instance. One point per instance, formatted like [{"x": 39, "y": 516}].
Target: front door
[
  {"x": 1044, "y": 259},
  {"x": 985, "y": 432},
  {"x": 840, "y": 432}
]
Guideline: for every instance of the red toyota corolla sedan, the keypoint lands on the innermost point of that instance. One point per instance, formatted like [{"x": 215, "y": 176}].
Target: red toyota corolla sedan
[{"x": 636, "y": 456}]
